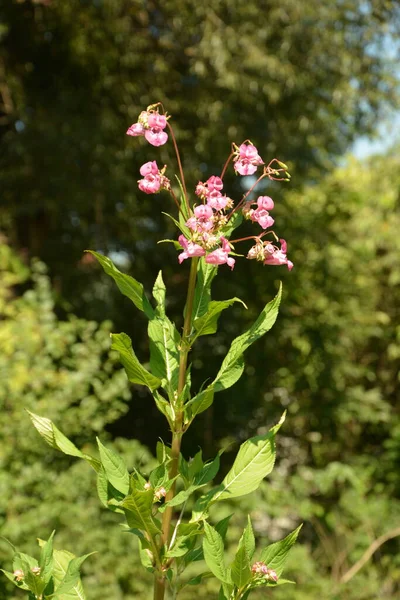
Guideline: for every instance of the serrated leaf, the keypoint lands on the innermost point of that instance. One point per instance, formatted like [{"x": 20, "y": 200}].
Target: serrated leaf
[
  {"x": 232, "y": 365},
  {"x": 202, "y": 294},
  {"x": 207, "y": 473},
  {"x": 208, "y": 323},
  {"x": 275, "y": 555},
  {"x": 248, "y": 539},
  {"x": 213, "y": 548},
  {"x": 164, "y": 341},
  {"x": 181, "y": 546},
  {"x": 71, "y": 578},
  {"x": 164, "y": 407},
  {"x": 11, "y": 577},
  {"x": 61, "y": 559},
  {"x": 53, "y": 436},
  {"x": 198, "y": 404},
  {"x": 146, "y": 556},
  {"x": 138, "y": 511},
  {"x": 240, "y": 568},
  {"x": 135, "y": 371},
  {"x": 159, "y": 292},
  {"x": 222, "y": 526},
  {"x": 46, "y": 559},
  {"x": 115, "y": 468},
  {"x": 254, "y": 461},
  {"x": 127, "y": 285}
]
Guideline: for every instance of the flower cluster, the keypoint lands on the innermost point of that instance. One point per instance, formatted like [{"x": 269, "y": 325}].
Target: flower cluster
[
  {"x": 151, "y": 125},
  {"x": 154, "y": 179},
  {"x": 206, "y": 223},
  {"x": 260, "y": 569}
]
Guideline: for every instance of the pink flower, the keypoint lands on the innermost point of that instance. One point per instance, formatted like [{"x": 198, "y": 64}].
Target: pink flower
[
  {"x": 217, "y": 201},
  {"x": 262, "y": 217},
  {"x": 135, "y": 130},
  {"x": 201, "y": 190},
  {"x": 277, "y": 256},
  {"x": 203, "y": 211},
  {"x": 215, "y": 183},
  {"x": 190, "y": 249},
  {"x": 151, "y": 184},
  {"x": 220, "y": 255},
  {"x": 156, "y": 136},
  {"x": 259, "y": 567},
  {"x": 247, "y": 159},
  {"x": 265, "y": 202},
  {"x": 149, "y": 168},
  {"x": 156, "y": 121},
  {"x": 271, "y": 575}
]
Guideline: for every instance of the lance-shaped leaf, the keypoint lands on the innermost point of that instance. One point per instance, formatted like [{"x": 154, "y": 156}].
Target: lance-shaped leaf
[
  {"x": 58, "y": 440},
  {"x": 11, "y": 577},
  {"x": 115, "y": 468},
  {"x": 240, "y": 568},
  {"x": 254, "y": 461},
  {"x": 199, "y": 404},
  {"x": 107, "y": 493},
  {"x": 135, "y": 371},
  {"x": 213, "y": 548},
  {"x": 202, "y": 294},
  {"x": 61, "y": 560},
  {"x": 275, "y": 555},
  {"x": 232, "y": 366},
  {"x": 71, "y": 579},
  {"x": 208, "y": 323},
  {"x": 127, "y": 285},
  {"x": 46, "y": 559},
  {"x": 248, "y": 539},
  {"x": 204, "y": 476},
  {"x": 138, "y": 511},
  {"x": 164, "y": 351},
  {"x": 159, "y": 292}
]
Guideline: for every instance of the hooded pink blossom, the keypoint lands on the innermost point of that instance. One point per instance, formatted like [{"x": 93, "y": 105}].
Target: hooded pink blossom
[
  {"x": 277, "y": 256},
  {"x": 247, "y": 160},
  {"x": 155, "y": 120},
  {"x": 135, "y": 130},
  {"x": 156, "y": 136},
  {"x": 220, "y": 255},
  {"x": 150, "y": 184},
  {"x": 202, "y": 219},
  {"x": 262, "y": 217},
  {"x": 265, "y": 202},
  {"x": 190, "y": 249},
  {"x": 149, "y": 168},
  {"x": 217, "y": 201},
  {"x": 215, "y": 183}
]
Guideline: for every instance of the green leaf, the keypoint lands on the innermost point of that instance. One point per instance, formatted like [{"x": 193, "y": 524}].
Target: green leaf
[
  {"x": 240, "y": 568},
  {"x": 232, "y": 366},
  {"x": 248, "y": 539},
  {"x": 115, "y": 468},
  {"x": 198, "y": 404},
  {"x": 62, "y": 559},
  {"x": 135, "y": 371},
  {"x": 202, "y": 294},
  {"x": 181, "y": 546},
  {"x": 127, "y": 285},
  {"x": 46, "y": 559},
  {"x": 254, "y": 461},
  {"x": 11, "y": 577},
  {"x": 222, "y": 526},
  {"x": 207, "y": 473},
  {"x": 213, "y": 548},
  {"x": 164, "y": 407},
  {"x": 180, "y": 225},
  {"x": 146, "y": 557},
  {"x": 275, "y": 555},
  {"x": 159, "y": 292},
  {"x": 138, "y": 511},
  {"x": 71, "y": 578},
  {"x": 208, "y": 323},
  {"x": 58, "y": 440},
  {"x": 164, "y": 351},
  {"x": 233, "y": 224}
]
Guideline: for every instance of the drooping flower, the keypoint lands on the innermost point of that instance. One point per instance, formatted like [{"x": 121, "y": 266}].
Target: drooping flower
[
  {"x": 247, "y": 159},
  {"x": 214, "y": 183},
  {"x": 190, "y": 249},
  {"x": 217, "y": 201},
  {"x": 202, "y": 219},
  {"x": 265, "y": 202},
  {"x": 277, "y": 256},
  {"x": 220, "y": 256},
  {"x": 149, "y": 168},
  {"x": 150, "y": 184},
  {"x": 151, "y": 125},
  {"x": 262, "y": 217}
]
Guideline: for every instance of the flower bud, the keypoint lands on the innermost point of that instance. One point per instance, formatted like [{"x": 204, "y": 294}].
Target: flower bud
[
  {"x": 19, "y": 574},
  {"x": 35, "y": 570}
]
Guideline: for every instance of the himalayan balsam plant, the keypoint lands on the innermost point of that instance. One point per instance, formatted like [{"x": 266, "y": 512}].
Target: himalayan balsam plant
[{"x": 156, "y": 505}]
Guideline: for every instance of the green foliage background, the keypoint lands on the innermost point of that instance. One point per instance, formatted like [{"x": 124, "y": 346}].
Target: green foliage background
[{"x": 302, "y": 80}]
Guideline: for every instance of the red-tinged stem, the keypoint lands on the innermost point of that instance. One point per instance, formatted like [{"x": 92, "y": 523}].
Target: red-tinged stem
[
  {"x": 160, "y": 579},
  {"x": 240, "y": 204},
  {"x": 232, "y": 154},
  {"x": 178, "y": 158}
]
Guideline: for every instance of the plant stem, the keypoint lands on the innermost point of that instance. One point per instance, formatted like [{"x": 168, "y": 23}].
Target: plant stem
[
  {"x": 160, "y": 581},
  {"x": 181, "y": 173}
]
